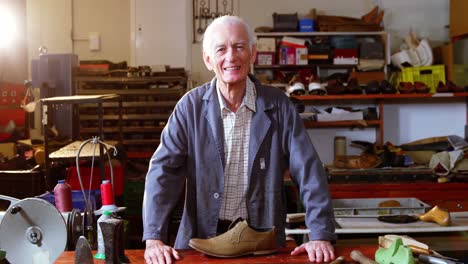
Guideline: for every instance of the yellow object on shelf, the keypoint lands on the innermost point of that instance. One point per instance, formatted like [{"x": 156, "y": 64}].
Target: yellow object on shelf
[{"x": 430, "y": 75}]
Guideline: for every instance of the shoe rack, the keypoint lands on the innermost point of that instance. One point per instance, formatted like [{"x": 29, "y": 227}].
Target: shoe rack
[
  {"x": 379, "y": 100},
  {"x": 137, "y": 120}
]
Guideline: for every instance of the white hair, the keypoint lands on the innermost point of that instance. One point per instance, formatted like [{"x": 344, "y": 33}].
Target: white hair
[{"x": 226, "y": 20}]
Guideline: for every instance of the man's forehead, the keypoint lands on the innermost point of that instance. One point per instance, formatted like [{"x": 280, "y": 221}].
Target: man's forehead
[{"x": 221, "y": 35}]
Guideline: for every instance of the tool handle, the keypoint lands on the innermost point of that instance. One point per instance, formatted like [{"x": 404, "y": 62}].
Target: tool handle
[
  {"x": 338, "y": 260},
  {"x": 357, "y": 255}
]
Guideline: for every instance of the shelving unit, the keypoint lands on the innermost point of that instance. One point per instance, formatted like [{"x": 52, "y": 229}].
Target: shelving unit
[
  {"x": 377, "y": 99},
  {"x": 382, "y": 35},
  {"x": 67, "y": 152},
  {"x": 137, "y": 120}
]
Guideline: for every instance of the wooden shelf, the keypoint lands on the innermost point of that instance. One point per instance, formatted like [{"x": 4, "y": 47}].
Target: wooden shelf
[
  {"x": 156, "y": 91},
  {"x": 130, "y": 80},
  {"x": 131, "y": 104},
  {"x": 124, "y": 129},
  {"x": 351, "y": 123},
  {"x": 126, "y": 117},
  {"x": 317, "y": 33},
  {"x": 379, "y": 96},
  {"x": 138, "y": 118},
  {"x": 299, "y": 66}
]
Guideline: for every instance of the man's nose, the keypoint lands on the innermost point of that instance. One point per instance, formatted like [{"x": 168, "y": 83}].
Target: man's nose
[{"x": 231, "y": 54}]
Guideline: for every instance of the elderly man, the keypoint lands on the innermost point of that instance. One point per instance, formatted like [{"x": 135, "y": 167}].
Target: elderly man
[{"x": 230, "y": 141}]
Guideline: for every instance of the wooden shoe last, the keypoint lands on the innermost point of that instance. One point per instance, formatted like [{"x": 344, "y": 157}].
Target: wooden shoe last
[{"x": 436, "y": 215}]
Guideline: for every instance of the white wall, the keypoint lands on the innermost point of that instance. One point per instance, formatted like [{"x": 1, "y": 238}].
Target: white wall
[
  {"x": 63, "y": 26},
  {"x": 161, "y": 30}
]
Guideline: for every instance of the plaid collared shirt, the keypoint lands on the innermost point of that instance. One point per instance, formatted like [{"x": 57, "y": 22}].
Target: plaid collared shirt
[{"x": 236, "y": 148}]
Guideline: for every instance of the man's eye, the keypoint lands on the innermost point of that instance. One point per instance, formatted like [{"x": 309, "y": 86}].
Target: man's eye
[{"x": 219, "y": 49}]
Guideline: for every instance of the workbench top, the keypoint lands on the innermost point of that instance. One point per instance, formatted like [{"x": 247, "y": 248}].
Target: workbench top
[{"x": 193, "y": 257}]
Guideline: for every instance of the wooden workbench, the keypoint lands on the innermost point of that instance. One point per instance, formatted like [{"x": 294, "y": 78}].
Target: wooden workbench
[{"x": 194, "y": 257}]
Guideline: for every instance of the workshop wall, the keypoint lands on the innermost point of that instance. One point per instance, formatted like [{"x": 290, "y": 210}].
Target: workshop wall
[
  {"x": 160, "y": 32},
  {"x": 64, "y": 27}
]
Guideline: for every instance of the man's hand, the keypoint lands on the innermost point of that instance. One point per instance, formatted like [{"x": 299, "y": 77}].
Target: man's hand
[
  {"x": 318, "y": 250},
  {"x": 157, "y": 252}
]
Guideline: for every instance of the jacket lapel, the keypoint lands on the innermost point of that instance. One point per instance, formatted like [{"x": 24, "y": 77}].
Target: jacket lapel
[
  {"x": 260, "y": 125},
  {"x": 212, "y": 114}
]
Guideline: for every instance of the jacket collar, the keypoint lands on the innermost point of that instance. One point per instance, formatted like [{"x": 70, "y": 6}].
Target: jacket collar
[{"x": 261, "y": 103}]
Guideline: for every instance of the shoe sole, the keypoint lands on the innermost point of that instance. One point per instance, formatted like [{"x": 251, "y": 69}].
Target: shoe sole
[{"x": 256, "y": 253}]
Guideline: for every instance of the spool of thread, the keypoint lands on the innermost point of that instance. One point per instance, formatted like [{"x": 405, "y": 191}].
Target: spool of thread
[
  {"x": 339, "y": 146},
  {"x": 106, "y": 193},
  {"x": 63, "y": 196}
]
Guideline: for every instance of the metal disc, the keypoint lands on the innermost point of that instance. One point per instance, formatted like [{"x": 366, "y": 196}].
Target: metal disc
[
  {"x": 32, "y": 228},
  {"x": 74, "y": 228}
]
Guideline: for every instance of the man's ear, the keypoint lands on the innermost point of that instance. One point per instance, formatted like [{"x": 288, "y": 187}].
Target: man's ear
[{"x": 207, "y": 61}]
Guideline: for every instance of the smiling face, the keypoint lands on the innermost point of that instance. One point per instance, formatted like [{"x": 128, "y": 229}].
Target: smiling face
[{"x": 229, "y": 54}]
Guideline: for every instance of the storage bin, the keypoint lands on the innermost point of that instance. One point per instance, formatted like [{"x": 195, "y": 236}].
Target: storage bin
[
  {"x": 85, "y": 172},
  {"x": 285, "y": 22},
  {"x": 430, "y": 75},
  {"x": 370, "y": 207}
]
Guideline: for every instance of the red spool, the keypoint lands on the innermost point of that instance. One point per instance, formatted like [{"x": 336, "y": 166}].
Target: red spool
[{"x": 106, "y": 193}]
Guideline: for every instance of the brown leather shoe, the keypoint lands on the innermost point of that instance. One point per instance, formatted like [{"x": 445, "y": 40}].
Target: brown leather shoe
[{"x": 239, "y": 241}]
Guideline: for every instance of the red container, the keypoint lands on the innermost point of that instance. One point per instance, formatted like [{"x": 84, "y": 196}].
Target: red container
[{"x": 85, "y": 172}]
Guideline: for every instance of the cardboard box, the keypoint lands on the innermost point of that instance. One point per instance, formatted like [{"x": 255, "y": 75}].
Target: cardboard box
[
  {"x": 265, "y": 58},
  {"x": 301, "y": 56},
  {"x": 266, "y": 45},
  {"x": 340, "y": 116},
  {"x": 8, "y": 150}
]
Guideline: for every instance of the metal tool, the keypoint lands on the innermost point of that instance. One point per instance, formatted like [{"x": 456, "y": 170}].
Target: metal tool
[
  {"x": 436, "y": 260},
  {"x": 113, "y": 233},
  {"x": 338, "y": 260},
  {"x": 83, "y": 253},
  {"x": 32, "y": 230}
]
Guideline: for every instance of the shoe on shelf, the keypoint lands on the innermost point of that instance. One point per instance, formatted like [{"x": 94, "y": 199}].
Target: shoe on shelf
[
  {"x": 387, "y": 88},
  {"x": 335, "y": 87},
  {"x": 373, "y": 87},
  {"x": 421, "y": 87},
  {"x": 239, "y": 241},
  {"x": 406, "y": 88},
  {"x": 353, "y": 87},
  {"x": 442, "y": 88}
]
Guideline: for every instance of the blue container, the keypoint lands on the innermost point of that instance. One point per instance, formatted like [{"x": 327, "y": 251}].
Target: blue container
[
  {"x": 306, "y": 25},
  {"x": 78, "y": 199}
]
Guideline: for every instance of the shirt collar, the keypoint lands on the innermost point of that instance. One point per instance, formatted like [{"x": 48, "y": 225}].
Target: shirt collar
[{"x": 248, "y": 100}]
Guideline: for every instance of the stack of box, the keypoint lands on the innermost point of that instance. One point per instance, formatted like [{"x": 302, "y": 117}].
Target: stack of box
[
  {"x": 293, "y": 51},
  {"x": 266, "y": 51}
]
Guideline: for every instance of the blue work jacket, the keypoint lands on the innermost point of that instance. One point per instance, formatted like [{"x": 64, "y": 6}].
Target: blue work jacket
[{"x": 191, "y": 151}]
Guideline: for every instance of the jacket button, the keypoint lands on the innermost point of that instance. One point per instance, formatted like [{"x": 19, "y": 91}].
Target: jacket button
[{"x": 216, "y": 195}]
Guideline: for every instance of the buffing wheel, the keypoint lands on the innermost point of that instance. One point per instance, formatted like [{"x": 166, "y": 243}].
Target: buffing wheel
[{"x": 32, "y": 228}]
